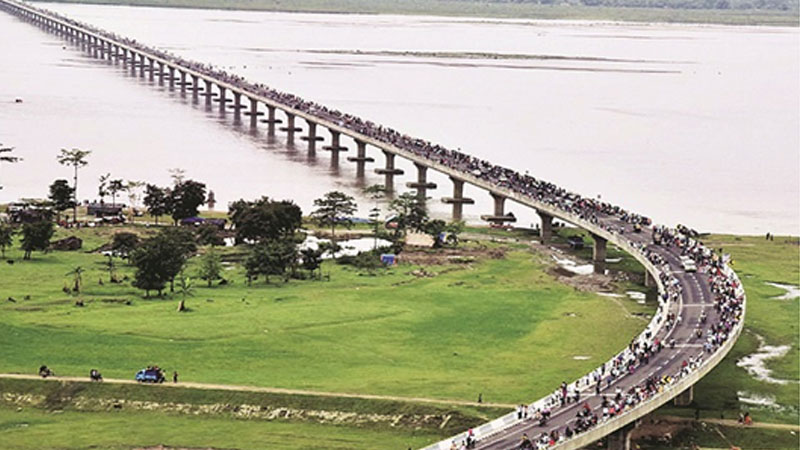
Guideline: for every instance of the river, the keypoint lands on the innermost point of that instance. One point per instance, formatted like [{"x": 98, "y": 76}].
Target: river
[{"x": 692, "y": 124}]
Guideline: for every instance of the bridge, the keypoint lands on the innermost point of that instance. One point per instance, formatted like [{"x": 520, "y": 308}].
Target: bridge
[{"x": 699, "y": 317}]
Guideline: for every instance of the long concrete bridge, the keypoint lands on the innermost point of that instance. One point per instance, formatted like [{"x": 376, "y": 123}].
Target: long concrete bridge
[{"x": 688, "y": 303}]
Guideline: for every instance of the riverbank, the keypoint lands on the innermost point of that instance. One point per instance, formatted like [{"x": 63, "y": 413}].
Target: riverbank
[{"x": 487, "y": 10}]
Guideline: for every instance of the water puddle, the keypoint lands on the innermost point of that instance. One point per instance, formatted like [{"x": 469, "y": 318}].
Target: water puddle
[
  {"x": 749, "y": 398},
  {"x": 792, "y": 292},
  {"x": 640, "y": 297},
  {"x": 755, "y": 363},
  {"x": 572, "y": 266},
  {"x": 350, "y": 247}
]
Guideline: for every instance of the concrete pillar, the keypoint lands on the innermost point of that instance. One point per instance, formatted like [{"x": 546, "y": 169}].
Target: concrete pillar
[
  {"x": 160, "y": 73},
  {"x": 620, "y": 439},
  {"x": 195, "y": 86},
  {"x": 546, "y": 233},
  {"x": 152, "y": 68},
  {"x": 290, "y": 128},
  {"x": 361, "y": 158},
  {"x": 142, "y": 65},
  {"x": 312, "y": 137},
  {"x": 685, "y": 398},
  {"x": 183, "y": 80},
  {"x": 421, "y": 185},
  {"x": 335, "y": 148},
  {"x": 208, "y": 93},
  {"x": 599, "y": 254},
  {"x": 271, "y": 120},
  {"x": 389, "y": 171},
  {"x": 171, "y": 72},
  {"x": 221, "y": 99},
  {"x": 648, "y": 279},
  {"x": 458, "y": 200},
  {"x": 499, "y": 215}
]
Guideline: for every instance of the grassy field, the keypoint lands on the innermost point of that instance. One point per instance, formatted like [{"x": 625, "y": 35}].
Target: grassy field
[
  {"x": 396, "y": 333},
  {"x": 36, "y": 429},
  {"x": 480, "y": 9},
  {"x": 758, "y": 261}
]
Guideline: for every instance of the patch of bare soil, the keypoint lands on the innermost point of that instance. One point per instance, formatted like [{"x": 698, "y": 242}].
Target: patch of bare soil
[
  {"x": 594, "y": 282},
  {"x": 430, "y": 257}
]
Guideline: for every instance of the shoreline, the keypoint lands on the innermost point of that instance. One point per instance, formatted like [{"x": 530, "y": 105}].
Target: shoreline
[{"x": 489, "y": 11}]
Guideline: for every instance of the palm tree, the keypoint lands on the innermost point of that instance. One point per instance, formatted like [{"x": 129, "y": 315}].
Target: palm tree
[
  {"x": 75, "y": 158},
  {"x": 7, "y": 158},
  {"x": 77, "y": 279}
]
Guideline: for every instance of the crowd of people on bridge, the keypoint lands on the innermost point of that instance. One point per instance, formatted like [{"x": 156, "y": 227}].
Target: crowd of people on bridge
[{"x": 728, "y": 299}]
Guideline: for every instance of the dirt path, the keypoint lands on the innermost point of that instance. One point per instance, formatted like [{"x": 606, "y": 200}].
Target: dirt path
[
  {"x": 733, "y": 423},
  {"x": 269, "y": 390}
]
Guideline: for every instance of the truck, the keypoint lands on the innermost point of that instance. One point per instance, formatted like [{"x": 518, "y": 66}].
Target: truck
[{"x": 150, "y": 375}]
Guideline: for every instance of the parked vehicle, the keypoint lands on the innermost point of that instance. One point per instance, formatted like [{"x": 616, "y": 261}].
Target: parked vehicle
[{"x": 150, "y": 375}]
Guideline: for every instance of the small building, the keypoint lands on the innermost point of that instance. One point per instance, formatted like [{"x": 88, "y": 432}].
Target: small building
[{"x": 103, "y": 209}]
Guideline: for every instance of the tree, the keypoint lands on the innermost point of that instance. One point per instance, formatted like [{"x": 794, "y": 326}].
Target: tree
[
  {"x": 124, "y": 243},
  {"x": 77, "y": 278},
  {"x": 409, "y": 213},
  {"x": 133, "y": 189},
  {"x": 111, "y": 267},
  {"x": 156, "y": 201},
  {"x": 102, "y": 187},
  {"x": 271, "y": 258},
  {"x": 77, "y": 159},
  {"x": 160, "y": 259},
  {"x": 375, "y": 192},
  {"x": 186, "y": 290},
  {"x": 61, "y": 194},
  {"x": 264, "y": 219},
  {"x": 185, "y": 198},
  {"x": 114, "y": 187},
  {"x": 208, "y": 234},
  {"x": 210, "y": 266},
  {"x": 333, "y": 208},
  {"x": 177, "y": 175},
  {"x": 7, "y": 158},
  {"x": 453, "y": 230},
  {"x": 435, "y": 229},
  {"x": 312, "y": 259},
  {"x": 7, "y": 233},
  {"x": 36, "y": 236}
]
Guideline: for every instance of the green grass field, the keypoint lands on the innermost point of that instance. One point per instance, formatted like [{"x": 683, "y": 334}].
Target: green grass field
[
  {"x": 37, "y": 429},
  {"x": 503, "y": 328},
  {"x": 483, "y": 9},
  {"x": 500, "y": 327}
]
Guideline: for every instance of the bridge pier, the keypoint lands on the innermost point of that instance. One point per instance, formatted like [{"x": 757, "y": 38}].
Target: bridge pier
[
  {"x": 312, "y": 137},
  {"x": 499, "y": 215},
  {"x": 208, "y": 92},
  {"x": 195, "y": 86},
  {"x": 685, "y": 398},
  {"x": 290, "y": 128},
  {"x": 421, "y": 185},
  {"x": 458, "y": 200},
  {"x": 599, "y": 253},
  {"x": 361, "y": 159},
  {"x": 389, "y": 171},
  {"x": 621, "y": 439},
  {"x": 171, "y": 72},
  {"x": 648, "y": 279},
  {"x": 546, "y": 233},
  {"x": 152, "y": 68},
  {"x": 335, "y": 148},
  {"x": 183, "y": 81},
  {"x": 253, "y": 113},
  {"x": 271, "y": 120}
]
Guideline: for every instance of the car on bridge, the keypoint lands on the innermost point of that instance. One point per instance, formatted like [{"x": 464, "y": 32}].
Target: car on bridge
[{"x": 688, "y": 264}]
